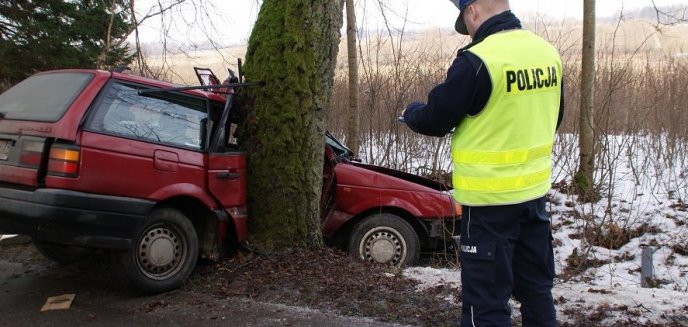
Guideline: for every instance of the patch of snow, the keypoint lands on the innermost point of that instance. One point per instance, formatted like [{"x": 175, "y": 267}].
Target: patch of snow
[
  {"x": 429, "y": 277},
  {"x": 2, "y": 237}
]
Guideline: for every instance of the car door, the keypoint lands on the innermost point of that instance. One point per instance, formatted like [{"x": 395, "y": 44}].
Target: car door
[
  {"x": 226, "y": 162},
  {"x": 227, "y": 166},
  {"x": 147, "y": 146}
]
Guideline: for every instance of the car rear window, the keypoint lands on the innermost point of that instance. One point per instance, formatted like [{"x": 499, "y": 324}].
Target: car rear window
[{"x": 43, "y": 97}]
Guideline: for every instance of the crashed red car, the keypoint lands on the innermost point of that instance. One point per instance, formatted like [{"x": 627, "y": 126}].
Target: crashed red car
[{"x": 94, "y": 159}]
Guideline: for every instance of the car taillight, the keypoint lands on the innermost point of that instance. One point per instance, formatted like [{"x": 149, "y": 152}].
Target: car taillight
[
  {"x": 64, "y": 161},
  {"x": 30, "y": 155}
]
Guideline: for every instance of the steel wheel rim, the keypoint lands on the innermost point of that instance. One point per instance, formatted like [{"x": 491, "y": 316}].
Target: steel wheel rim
[
  {"x": 383, "y": 245},
  {"x": 161, "y": 252}
]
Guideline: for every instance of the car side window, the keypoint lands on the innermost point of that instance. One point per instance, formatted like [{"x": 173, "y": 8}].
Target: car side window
[
  {"x": 227, "y": 138},
  {"x": 166, "y": 118}
]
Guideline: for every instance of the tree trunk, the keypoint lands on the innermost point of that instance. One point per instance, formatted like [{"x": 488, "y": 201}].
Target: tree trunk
[
  {"x": 352, "y": 131},
  {"x": 293, "y": 50},
  {"x": 584, "y": 176},
  {"x": 102, "y": 57}
]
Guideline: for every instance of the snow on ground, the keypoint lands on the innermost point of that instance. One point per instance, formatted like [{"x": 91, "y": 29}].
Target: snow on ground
[
  {"x": 646, "y": 305},
  {"x": 643, "y": 189},
  {"x": 2, "y": 237},
  {"x": 613, "y": 287}
]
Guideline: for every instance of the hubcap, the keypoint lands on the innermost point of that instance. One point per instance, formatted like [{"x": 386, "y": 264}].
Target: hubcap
[
  {"x": 383, "y": 245},
  {"x": 161, "y": 252}
]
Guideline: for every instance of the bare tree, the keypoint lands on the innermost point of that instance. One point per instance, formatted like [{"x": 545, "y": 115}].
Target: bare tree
[
  {"x": 584, "y": 177},
  {"x": 352, "y": 136},
  {"x": 670, "y": 17},
  {"x": 161, "y": 10},
  {"x": 108, "y": 35}
]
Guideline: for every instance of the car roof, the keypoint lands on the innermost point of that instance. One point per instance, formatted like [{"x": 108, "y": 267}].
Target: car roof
[
  {"x": 142, "y": 80},
  {"x": 163, "y": 84}
]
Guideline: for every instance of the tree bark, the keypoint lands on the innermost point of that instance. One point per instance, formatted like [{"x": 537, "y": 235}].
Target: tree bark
[
  {"x": 584, "y": 176},
  {"x": 352, "y": 131},
  {"x": 102, "y": 57},
  {"x": 293, "y": 50}
]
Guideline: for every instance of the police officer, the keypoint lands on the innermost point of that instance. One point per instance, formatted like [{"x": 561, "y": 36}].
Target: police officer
[{"x": 503, "y": 98}]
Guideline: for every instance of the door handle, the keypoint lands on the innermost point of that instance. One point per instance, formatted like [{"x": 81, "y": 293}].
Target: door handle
[{"x": 227, "y": 175}]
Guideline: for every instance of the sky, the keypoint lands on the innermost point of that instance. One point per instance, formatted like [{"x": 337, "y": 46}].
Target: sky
[{"x": 237, "y": 16}]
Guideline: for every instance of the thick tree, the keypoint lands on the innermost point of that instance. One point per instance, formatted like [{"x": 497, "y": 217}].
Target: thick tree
[
  {"x": 52, "y": 34},
  {"x": 292, "y": 50}
]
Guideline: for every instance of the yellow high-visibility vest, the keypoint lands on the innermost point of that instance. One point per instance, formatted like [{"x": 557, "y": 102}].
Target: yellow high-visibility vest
[{"x": 503, "y": 154}]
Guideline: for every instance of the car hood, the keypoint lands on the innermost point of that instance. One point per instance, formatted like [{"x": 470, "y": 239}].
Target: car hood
[{"x": 395, "y": 179}]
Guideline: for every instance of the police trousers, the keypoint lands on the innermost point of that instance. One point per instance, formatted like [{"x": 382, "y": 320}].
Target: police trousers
[{"x": 507, "y": 250}]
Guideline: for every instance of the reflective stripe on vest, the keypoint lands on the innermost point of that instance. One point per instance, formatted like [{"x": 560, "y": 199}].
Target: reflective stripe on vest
[
  {"x": 503, "y": 154},
  {"x": 497, "y": 158}
]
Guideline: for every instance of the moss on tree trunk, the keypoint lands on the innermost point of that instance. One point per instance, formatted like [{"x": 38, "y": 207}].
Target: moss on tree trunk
[{"x": 293, "y": 49}]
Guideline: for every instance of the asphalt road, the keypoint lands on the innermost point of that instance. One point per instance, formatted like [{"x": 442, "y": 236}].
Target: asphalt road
[{"x": 103, "y": 298}]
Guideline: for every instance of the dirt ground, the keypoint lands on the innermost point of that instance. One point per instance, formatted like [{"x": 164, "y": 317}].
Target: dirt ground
[
  {"x": 297, "y": 288},
  {"x": 103, "y": 298},
  {"x": 322, "y": 287},
  {"x": 330, "y": 280}
]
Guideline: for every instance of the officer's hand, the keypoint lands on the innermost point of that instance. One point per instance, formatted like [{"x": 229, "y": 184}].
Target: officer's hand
[
  {"x": 411, "y": 106},
  {"x": 414, "y": 106}
]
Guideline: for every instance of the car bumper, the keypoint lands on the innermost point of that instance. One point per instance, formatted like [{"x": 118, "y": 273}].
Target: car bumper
[
  {"x": 442, "y": 228},
  {"x": 73, "y": 218}
]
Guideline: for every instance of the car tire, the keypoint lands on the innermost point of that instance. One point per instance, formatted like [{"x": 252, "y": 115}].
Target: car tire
[
  {"x": 62, "y": 254},
  {"x": 164, "y": 252},
  {"x": 385, "y": 238}
]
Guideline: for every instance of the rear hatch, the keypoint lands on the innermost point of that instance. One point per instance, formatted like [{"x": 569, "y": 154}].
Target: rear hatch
[{"x": 44, "y": 109}]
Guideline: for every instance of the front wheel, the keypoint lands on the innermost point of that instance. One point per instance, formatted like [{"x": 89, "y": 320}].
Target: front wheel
[
  {"x": 385, "y": 238},
  {"x": 164, "y": 253}
]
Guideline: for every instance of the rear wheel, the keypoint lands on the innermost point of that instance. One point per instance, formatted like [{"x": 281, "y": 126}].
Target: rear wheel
[
  {"x": 164, "y": 253},
  {"x": 385, "y": 238},
  {"x": 63, "y": 254}
]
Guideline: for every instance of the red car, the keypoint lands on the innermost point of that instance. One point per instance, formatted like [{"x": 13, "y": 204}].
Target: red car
[{"x": 104, "y": 160}]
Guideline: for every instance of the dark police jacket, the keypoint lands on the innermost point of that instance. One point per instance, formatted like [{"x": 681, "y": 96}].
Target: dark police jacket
[{"x": 466, "y": 89}]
